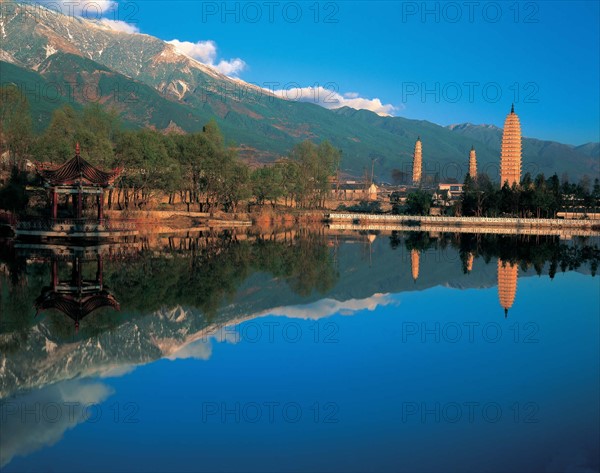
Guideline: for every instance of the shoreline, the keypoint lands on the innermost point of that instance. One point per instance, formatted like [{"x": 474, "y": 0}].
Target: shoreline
[
  {"x": 173, "y": 222},
  {"x": 415, "y": 221}
]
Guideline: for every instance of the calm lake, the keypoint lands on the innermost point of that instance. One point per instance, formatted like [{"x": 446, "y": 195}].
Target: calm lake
[{"x": 302, "y": 351}]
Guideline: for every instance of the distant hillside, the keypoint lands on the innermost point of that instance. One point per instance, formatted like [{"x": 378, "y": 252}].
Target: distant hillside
[
  {"x": 153, "y": 84},
  {"x": 541, "y": 156}
]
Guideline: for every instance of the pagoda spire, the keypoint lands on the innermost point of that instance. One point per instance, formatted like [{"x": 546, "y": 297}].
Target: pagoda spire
[
  {"x": 473, "y": 163},
  {"x": 511, "y": 154},
  {"x": 417, "y": 162},
  {"x": 77, "y": 149},
  {"x": 512, "y": 108}
]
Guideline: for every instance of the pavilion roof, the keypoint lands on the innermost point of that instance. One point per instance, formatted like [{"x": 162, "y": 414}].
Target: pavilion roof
[
  {"x": 77, "y": 171},
  {"x": 73, "y": 306}
]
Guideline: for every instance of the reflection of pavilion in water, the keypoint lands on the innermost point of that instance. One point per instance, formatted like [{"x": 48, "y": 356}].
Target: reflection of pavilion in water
[{"x": 76, "y": 296}]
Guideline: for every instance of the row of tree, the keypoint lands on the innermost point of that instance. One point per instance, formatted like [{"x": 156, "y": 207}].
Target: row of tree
[
  {"x": 198, "y": 169},
  {"x": 533, "y": 198},
  {"x": 540, "y": 197}
]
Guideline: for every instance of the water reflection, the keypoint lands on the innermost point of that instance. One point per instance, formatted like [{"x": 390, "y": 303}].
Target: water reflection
[
  {"x": 508, "y": 273},
  {"x": 180, "y": 294},
  {"x": 76, "y": 297}
]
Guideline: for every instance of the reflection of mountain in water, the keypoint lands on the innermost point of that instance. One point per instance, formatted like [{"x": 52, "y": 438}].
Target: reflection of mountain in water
[{"x": 172, "y": 299}]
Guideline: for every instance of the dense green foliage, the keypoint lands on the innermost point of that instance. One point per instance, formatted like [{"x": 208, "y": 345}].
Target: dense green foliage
[
  {"x": 539, "y": 197},
  {"x": 200, "y": 168},
  {"x": 418, "y": 202},
  {"x": 364, "y": 206}
]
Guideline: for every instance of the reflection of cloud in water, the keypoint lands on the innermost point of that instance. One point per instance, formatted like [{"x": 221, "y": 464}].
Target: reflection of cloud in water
[
  {"x": 199, "y": 350},
  {"x": 117, "y": 371},
  {"x": 40, "y": 418},
  {"x": 328, "y": 307}
]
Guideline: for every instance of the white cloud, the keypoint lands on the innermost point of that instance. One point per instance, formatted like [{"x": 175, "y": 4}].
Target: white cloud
[
  {"x": 88, "y": 9},
  {"x": 40, "y": 418},
  {"x": 332, "y": 99},
  {"x": 119, "y": 25},
  {"x": 92, "y": 10},
  {"x": 206, "y": 53},
  {"x": 203, "y": 51},
  {"x": 231, "y": 68}
]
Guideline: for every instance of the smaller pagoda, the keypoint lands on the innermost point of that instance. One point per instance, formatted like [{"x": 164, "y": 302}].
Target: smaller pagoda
[
  {"x": 75, "y": 178},
  {"x": 417, "y": 162}
]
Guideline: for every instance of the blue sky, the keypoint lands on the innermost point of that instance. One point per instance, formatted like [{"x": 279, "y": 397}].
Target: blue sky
[{"x": 475, "y": 59}]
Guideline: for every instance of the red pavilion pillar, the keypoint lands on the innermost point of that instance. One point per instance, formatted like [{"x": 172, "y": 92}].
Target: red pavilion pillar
[
  {"x": 101, "y": 206},
  {"x": 54, "y": 203},
  {"x": 54, "y": 274},
  {"x": 100, "y": 271},
  {"x": 79, "y": 204}
]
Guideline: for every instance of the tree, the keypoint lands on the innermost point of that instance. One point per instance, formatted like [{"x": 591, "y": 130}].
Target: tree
[
  {"x": 13, "y": 196},
  {"x": 149, "y": 168},
  {"x": 236, "y": 185},
  {"x": 267, "y": 184},
  {"x": 317, "y": 165},
  {"x": 419, "y": 202},
  {"x": 468, "y": 198},
  {"x": 57, "y": 143},
  {"x": 16, "y": 134}
]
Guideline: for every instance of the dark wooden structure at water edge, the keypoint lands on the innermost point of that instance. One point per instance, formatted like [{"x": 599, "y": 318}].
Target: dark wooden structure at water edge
[
  {"x": 75, "y": 179},
  {"x": 76, "y": 297}
]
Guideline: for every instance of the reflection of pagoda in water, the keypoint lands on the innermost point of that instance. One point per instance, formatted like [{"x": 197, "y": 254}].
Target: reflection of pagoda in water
[
  {"x": 508, "y": 274},
  {"x": 470, "y": 259},
  {"x": 414, "y": 264}
]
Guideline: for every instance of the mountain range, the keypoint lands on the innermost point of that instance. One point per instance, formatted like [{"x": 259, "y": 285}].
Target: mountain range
[{"x": 57, "y": 59}]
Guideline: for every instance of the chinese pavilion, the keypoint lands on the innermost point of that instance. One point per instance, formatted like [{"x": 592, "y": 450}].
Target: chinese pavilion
[{"x": 76, "y": 178}]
